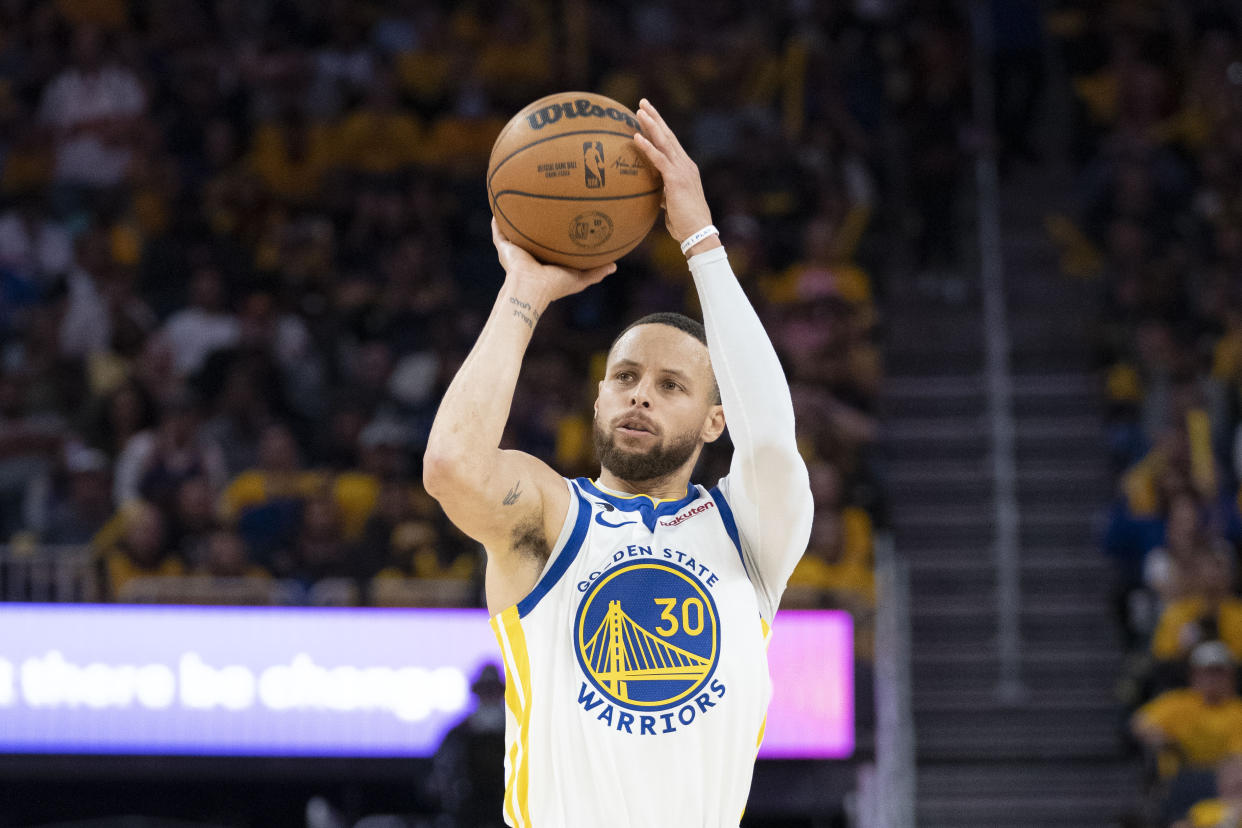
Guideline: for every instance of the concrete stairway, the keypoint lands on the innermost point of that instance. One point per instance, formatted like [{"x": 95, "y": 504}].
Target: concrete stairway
[{"x": 1053, "y": 757}]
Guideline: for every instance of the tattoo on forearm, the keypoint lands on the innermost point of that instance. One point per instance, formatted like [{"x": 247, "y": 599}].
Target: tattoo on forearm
[
  {"x": 513, "y": 495},
  {"x": 526, "y": 313}
]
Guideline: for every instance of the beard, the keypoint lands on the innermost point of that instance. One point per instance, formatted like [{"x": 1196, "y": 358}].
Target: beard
[{"x": 635, "y": 466}]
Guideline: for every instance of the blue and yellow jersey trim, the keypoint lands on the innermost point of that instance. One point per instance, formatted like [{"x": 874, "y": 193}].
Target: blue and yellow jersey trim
[
  {"x": 763, "y": 725},
  {"x": 655, "y": 501},
  {"x": 767, "y": 641},
  {"x": 649, "y": 509},
  {"x": 507, "y": 627},
  {"x": 563, "y": 556}
]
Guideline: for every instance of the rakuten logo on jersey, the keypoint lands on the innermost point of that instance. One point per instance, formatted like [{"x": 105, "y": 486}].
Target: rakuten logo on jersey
[{"x": 689, "y": 513}]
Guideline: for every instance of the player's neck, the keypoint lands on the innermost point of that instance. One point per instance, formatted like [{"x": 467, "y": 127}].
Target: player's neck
[{"x": 670, "y": 487}]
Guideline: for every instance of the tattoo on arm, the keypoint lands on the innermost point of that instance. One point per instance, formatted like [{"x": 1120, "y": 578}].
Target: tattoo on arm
[
  {"x": 513, "y": 495},
  {"x": 524, "y": 311}
]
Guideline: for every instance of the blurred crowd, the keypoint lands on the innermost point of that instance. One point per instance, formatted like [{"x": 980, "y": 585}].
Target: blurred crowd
[
  {"x": 1157, "y": 142},
  {"x": 245, "y": 245}
]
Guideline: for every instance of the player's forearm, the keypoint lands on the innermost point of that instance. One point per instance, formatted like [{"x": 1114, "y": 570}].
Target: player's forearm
[
  {"x": 752, "y": 383},
  {"x": 471, "y": 419},
  {"x": 767, "y": 483}
]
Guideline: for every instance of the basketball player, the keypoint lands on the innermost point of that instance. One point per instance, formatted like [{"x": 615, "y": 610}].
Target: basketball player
[{"x": 632, "y": 610}]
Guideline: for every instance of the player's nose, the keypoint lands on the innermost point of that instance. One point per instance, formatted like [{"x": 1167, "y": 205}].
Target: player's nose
[{"x": 641, "y": 395}]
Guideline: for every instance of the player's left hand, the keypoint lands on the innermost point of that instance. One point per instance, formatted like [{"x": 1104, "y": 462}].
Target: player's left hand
[
  {"x": 544, "y": 283},
  {"x": 685, "y": 206}
]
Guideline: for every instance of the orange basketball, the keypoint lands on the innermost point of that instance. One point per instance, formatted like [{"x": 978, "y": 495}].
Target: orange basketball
[{"x": 566, "y": 182}]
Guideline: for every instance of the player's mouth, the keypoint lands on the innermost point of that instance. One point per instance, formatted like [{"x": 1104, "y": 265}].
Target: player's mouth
[{"x": 634, "y": 426}]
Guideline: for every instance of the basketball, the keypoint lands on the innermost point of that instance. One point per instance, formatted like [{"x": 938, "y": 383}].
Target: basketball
[{"x": 566, "y": 182}]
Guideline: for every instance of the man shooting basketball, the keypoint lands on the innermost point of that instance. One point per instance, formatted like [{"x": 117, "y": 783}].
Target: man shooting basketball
[{"x": 632, "y": 611}]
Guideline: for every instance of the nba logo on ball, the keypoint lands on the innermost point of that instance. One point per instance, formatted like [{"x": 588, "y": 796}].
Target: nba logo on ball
[{"x": 593, "y": 163}]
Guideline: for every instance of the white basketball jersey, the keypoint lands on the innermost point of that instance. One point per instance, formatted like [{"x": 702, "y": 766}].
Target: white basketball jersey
[{"x": 637, "y": 676}]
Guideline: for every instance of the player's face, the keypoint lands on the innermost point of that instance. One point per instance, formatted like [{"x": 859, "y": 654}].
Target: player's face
[{"x": 656, "y": 403}]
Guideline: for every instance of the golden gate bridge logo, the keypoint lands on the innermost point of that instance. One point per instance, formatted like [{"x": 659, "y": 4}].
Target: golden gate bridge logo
[{"x": 647, "y": 634}]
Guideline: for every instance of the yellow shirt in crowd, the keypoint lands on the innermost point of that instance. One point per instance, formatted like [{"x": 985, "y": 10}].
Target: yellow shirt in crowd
[
  {"x": 121, "y": 569},
  {"x": 355, "y": 494},
  {"x": 1203, "y": 734},
  {"x": 1166, "y": 642},
  {"x": 1214, "y": 813},
  {"x": 854, "y": 573}
]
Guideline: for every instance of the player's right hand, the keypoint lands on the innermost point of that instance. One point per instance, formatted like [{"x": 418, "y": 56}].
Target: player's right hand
[
  {"x": 543, "y": 282},
  {"x": 685, "y": 205}
]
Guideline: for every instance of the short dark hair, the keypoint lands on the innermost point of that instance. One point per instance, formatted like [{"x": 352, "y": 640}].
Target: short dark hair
[
  {"x": 674, "y": 320},
  {"x": 682, "y": 323}
]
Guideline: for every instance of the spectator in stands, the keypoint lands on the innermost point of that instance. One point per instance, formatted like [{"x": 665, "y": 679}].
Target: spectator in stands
[
  {"x": 335, "y": 445},
  {"x": 1210, "y": 611},
  {"x": 1169, "y": 569},
  {"x": 141, "y": 551},
  {"x": 385, "y": 539},
  {"x": 379, "y": 138},
  {"x": 192, "y": 518},
  {"x": 73, "y": 514},
  {"x": 266, "y": 502},
  {"x": 125, "y": 411},
  {"x": 837, "y": 569},
  {"x": 291, "y": 155},
  {"x": 416, "y": 550},
  {"x": 465, "y": 772},
  {"x": 94, "y": 110},
  {"x": 1195, "y": 728},
  {"x": 826, "y": 267},
  {"x": 1137, "y": 520},
  {"x": 319, "y": 550},
  {"x": 278, "y": 338},
  {"x": 382, "y": 450},
  {"x": 192, "y": 333},
  {"x": 86, "y": 324},
  {"x": 344, "y": 67},
  {"x": 32, "y": 244},
  {"x": 28, "y": 443},
  {"x": 224, "y": 556},
  {"x": 156, "y": 461},
  {"x": 245, "y": 406},
  {"x": 1225, "y": 809}
]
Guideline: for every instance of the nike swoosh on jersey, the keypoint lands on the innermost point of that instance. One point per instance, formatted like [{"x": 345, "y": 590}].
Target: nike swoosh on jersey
[{"x": 599, "y": 518}]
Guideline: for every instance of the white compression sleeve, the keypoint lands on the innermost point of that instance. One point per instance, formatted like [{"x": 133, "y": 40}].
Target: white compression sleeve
[{"x": 767, "y": 487}]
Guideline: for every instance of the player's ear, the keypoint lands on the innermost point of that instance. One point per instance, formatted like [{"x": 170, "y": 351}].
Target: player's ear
[{"x": 713, "y": 425}]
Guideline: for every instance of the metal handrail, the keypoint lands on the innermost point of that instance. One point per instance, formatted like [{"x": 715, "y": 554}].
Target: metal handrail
[
  {"x": 888, "y": 792},
  {"x": 999, "y": 392},
  {"x": 47, "y": 573}
]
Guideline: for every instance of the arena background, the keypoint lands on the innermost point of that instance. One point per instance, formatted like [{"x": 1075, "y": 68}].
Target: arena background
[{"x": 244, "y": 247}]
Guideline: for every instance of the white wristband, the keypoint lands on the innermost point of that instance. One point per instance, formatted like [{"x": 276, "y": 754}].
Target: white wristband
[{"x": 695, "y": 238}]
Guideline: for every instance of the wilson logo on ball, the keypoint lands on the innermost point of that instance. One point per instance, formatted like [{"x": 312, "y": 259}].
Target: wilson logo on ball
[{"x": 580, "y": 108}]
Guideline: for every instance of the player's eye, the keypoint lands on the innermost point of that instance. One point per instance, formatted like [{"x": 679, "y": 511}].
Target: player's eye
[
  {"x": 669, "y": 385},
  {"x": 624, "y": 376}
]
